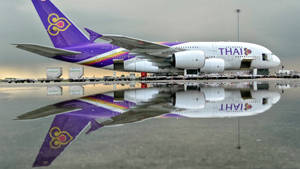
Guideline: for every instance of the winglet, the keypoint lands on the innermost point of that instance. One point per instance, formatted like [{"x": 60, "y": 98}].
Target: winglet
[
  {"x": 94, "y": 126},
  {"x": 93, "y": 35}
]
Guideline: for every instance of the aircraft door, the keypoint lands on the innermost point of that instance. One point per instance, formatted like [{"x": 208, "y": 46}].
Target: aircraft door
[{"x": 246, "y": 63}]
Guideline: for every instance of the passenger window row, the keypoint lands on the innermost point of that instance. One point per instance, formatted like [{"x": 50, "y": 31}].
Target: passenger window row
[{"x": 183, "y": 47}]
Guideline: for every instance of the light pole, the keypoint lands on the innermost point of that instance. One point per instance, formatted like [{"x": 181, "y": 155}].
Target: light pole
[{"x": 238, "y": 11}]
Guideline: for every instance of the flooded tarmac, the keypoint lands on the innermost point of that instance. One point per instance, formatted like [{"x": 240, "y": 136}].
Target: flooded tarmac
[{"x": 151, "y": 125}]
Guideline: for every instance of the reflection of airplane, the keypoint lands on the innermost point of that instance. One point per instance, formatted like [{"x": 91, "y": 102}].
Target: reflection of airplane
[
  {"x": 136, "y": 55},
  {"x": 135, "y": 105}
]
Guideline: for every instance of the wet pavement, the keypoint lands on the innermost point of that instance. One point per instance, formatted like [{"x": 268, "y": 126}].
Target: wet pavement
[{"x": 158, "y": 125}]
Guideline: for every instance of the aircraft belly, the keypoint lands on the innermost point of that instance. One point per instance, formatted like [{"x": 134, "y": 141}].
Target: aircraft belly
[
  {"x": 108, "y": 67},
  {"x": 143, "y": 65},
  {"x": 232, "y": 64},
  {"x": 233, "y": 105},
  {"x": 224, "y": 109}
]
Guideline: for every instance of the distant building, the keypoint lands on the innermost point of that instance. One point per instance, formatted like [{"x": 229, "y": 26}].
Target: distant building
[
  {"x": 76, "y": 72},
  {"x": 54, "y": 73},
  {"x": 54, "y": 91},
  {"x": 284, "y": 72},
  {"x": 10, "y": 79},
  {"x": 76, "y": 90},
  {"x": 132, "y": 76}
]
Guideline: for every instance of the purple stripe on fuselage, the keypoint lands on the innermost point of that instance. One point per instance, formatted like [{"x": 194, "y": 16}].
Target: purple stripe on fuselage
[
  {"x": 94, "y": 49},
  {"x": 170, "y": 115},
  {"x": 171, "y": 43},
  {"x": 108, "y": 62},
  {"x": 110, "y": 99},
  {"x": 88, "y": 51},
  {"x": 88, "y": 110},
  {"x": 92, "y": 111}
]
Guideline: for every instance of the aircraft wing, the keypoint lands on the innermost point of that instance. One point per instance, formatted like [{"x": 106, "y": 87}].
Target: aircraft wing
[
  {"x": 135, "y": 115},
  {"x": 135, "y": 45},
  {"x": 155, "y": 107},
  {"x": 46, "y": 51}
]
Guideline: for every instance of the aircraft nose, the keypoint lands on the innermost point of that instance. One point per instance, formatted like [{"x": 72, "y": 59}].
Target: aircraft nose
[
  {"x": 276, "y": 60},
  {"x": 275, "y": 98}
]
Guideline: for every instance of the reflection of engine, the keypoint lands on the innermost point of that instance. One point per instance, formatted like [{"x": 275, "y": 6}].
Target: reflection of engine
[
  {"x": 195, "y": 99},
  {"x": 141, "y": 95},
  {"x": 213, "y": 94},
  {"x": 213, "y": 66},
  {"x": 189, "y": 59},
  {"x": 189, "y": 100}
]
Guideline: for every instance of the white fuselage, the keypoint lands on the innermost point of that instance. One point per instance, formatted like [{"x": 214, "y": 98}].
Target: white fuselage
[
  {"x": 208, "y": 102},
  {"x": 236, "y": 56}
]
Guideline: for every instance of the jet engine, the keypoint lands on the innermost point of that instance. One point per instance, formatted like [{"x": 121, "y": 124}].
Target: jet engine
[
  {"x": 189, "y": 59},
  {"x": 141, "y": 66},
  {"x": 213, "y": 65}
]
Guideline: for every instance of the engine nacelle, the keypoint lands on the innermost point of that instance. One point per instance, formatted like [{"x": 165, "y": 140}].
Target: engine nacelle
[
  {"x": 189, "y": 59},
  {"x": 141, "y": 66},
  {"x": 140, "y": 95},
  {"x": 213, "y": 65},
  {"x": 189, "y": 100}
]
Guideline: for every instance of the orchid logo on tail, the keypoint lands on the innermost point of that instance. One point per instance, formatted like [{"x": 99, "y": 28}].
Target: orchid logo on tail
[
  {"x": 59, "y": 138},
  {"x": 57, "y": 24}
]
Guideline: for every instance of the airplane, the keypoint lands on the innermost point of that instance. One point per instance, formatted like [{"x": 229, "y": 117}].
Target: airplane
[
  {"x": 123, "y": 53},
  {"x": 122, "y": 107}
]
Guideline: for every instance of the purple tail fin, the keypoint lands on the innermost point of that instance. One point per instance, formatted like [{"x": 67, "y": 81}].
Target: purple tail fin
[
  {"x": 61, "y": 30},
  {"x": 64, "y": 130}
]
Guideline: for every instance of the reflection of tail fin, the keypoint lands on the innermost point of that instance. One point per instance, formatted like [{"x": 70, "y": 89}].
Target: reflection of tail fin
[
  {"x": 61, "y": 30},
  {"x": 64, "y": 129}
]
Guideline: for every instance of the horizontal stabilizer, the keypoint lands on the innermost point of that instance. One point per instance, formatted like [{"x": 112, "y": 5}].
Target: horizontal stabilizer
[
  {"x": 46, "y": 51},
  {"x": 46, "y": 111}
]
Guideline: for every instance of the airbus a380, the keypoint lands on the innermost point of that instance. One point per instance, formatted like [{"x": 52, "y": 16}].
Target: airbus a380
[
  {"x": 135, "y": 55},
  {"x": 102, "y": 110}
]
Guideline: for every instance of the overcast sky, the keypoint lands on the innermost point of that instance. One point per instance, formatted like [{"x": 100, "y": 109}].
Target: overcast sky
[{"x": 271, "y": 23}]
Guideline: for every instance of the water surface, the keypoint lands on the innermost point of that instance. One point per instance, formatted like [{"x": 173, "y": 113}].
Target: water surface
[{"x": 188, "y": 125}]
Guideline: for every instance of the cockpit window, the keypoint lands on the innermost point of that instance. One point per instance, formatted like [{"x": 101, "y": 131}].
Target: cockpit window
[
  {"x": 264, "y": 57},
  {"x": 264, "y": 101}
]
